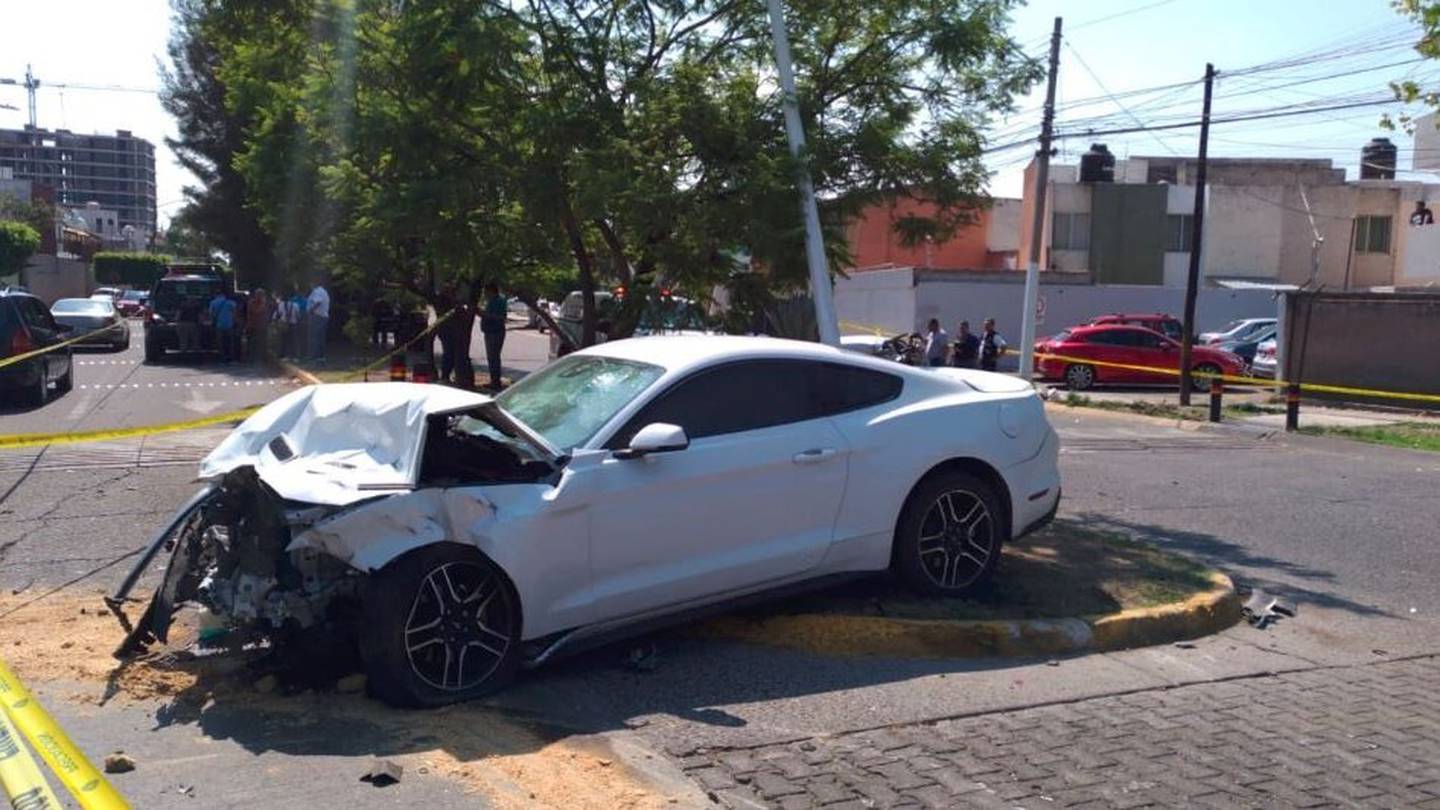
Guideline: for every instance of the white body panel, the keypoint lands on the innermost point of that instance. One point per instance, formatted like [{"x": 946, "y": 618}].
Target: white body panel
[{"x": 611, "y": 540}]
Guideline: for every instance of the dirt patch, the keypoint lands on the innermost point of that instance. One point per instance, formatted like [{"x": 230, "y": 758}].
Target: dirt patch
[
  {"x": 66, "y": 641},
  {"x": 1061, "y": 571}
]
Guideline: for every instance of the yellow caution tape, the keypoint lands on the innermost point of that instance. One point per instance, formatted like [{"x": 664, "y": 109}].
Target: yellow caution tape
[
  {"x": 1230, "y": 378},
  {"x": 21, "y": 781},
  {"x": 18, "y": 440},
  {"x": 10, "y": 361},
  {"x": 65, "y": 759},
  {"x": 402, "y": 347},
  {"x": 1241, "y": 380}
]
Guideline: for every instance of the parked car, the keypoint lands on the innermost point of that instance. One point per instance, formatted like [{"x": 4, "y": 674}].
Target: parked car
[
  {"x": 1167, "y": 325},
  {"x": 1126, "y": 346},
  {"x": 96, "y": 322},
  {"x": 1245, "y": 348},
  {"x": 170, "y": 293},
  {"x": 25, "y": 326},
  {"x": 107, "y": 293},
  {"x": 1264, "y": 364},
  {"x": 132, "y": 302},
  {"x": 624, "y": 485},
  {"x": 664, "y": 314},
  {"x": 1238, "y": 330}
]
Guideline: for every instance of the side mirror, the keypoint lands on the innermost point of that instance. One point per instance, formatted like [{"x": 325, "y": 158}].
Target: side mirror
[{"x": 656, "y": 438}]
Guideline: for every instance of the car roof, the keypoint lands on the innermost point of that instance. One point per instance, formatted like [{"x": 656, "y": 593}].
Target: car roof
[
  {"x": 678, "y": 352},
  {"x": 1109, "y": 327},
  {"x": 1138, "y": 316}
]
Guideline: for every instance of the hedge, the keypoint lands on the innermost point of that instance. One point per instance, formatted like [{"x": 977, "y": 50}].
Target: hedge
[{"x": 131, "y": 269}]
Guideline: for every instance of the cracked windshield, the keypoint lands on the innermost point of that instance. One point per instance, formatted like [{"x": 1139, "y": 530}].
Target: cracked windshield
[{"x": 744, "y": 403}]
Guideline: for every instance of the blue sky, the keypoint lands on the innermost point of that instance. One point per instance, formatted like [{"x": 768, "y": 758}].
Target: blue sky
[{"x": 1144, "y": 43}]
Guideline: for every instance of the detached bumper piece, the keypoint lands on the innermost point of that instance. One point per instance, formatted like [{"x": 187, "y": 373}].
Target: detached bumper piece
[{"x": 182, "y": 537}]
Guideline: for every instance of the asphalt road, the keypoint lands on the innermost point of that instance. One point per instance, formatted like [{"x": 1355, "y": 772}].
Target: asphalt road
[
  {"x": 1345, "y": 530},
  {"x": 118, "y": 389}
]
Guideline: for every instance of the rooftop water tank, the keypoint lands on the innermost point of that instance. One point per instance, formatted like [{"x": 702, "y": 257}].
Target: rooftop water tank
[
  {"x": 1097, "y": 165},
  {"x": 1377, "y": 160}
]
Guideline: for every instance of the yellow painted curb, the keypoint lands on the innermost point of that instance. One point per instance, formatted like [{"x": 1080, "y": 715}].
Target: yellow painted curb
[{"x": 842, "y": 635}]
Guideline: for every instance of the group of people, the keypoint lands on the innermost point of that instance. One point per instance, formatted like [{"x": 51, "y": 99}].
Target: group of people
[
  {"x": 259, "y": 325},
  {"x": 967, "y": 350},
  {"x": 455, "y": 331}
]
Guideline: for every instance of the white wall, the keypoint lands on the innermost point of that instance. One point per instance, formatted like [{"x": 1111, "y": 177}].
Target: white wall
[
  {"x": 1420, "y": 257},
  {"x": 883, "y": 299},
  {"x": 953, "y": 298}
]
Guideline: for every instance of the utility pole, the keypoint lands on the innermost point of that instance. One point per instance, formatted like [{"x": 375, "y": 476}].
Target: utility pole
[
  {"x": 820, "y": 290},
  {"x": 1037, "y": 227},
  {"x": 1197, "y": 234}
]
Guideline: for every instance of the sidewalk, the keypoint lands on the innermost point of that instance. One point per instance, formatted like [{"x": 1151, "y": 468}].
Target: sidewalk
[{"x": 1259, "y": 407}]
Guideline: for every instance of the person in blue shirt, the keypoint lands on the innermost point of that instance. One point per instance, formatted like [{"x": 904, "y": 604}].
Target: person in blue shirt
[
  {"x": 492, "y": 326},
  {"x": 222, "y": 315}
]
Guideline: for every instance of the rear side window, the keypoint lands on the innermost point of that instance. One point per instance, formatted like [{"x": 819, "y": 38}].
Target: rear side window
[
  {"x": 840, "y": 388},
  {"x": 35, "y": 313}
]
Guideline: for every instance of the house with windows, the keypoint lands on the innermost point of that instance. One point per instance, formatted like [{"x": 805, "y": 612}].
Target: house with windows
[{"x": 1268, "y": 222}]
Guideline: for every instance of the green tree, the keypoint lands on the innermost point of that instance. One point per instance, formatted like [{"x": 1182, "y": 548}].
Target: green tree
[
  {"x": 18, "y": 242},
  {"x": 636, "y": 143},
  {"x": 1426, "y": 13},
  {"x": 186, "y": 241}
]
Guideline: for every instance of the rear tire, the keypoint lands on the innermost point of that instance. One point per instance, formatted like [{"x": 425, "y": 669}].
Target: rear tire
[
  {"x": 153, "y": 352},
  {"x": 1200, "y": 377},
  {"x": 950, "y": 535},
  {"x": 1079, "y": 377},
  {"x": 440, "y": 625}
]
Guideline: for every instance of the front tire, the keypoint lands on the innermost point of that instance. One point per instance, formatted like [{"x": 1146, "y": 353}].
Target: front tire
[
  {"x": 153, "y": 351},
  {"x": 66, "y": 382},
  {"x": 39, "y": 393},
  {"x": 441, "y": 625},
  {"x": 1079, "y": 377},
  {"x": 950, "y": 534}
]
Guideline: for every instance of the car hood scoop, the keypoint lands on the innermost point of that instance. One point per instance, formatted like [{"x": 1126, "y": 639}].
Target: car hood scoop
[{"x": 337, "y": 444}]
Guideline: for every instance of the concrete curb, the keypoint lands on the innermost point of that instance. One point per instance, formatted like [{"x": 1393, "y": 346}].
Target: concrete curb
[
  {"x": 840, "y": 635},
  {"x": 299, "y": 373}
]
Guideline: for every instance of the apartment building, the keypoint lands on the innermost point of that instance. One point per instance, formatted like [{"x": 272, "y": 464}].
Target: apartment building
[{"x": 117, "y": 172}]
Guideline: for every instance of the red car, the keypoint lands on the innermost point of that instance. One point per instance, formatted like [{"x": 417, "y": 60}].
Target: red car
[
  {"x": 1127, "y": 346},
  {"x": 1166, "y": 325}
]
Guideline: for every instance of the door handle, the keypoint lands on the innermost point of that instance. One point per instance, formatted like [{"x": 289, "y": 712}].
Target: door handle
[{"x": 814, "y": 455}]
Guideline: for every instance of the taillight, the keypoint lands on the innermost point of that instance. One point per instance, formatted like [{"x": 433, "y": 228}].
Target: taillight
[{"x": 21, "y": 342}]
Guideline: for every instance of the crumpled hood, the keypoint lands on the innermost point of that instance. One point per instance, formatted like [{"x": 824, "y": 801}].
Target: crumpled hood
[{"x": 338, "y": 444}]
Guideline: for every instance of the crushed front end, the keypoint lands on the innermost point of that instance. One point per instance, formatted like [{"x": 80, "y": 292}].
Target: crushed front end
[{"x": 228, "y": 553}]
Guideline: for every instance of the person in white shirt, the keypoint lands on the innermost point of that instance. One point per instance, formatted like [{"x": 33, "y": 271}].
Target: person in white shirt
[
  {"x": 936, "y": 342},
  {"x": 317, "y": 318}
]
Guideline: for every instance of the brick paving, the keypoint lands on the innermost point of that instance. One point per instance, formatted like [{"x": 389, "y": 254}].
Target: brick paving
[{"x": 1365, "y": 736}]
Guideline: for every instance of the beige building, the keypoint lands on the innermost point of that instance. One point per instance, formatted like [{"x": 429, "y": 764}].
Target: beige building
[{"x": 1133, "y": 224}]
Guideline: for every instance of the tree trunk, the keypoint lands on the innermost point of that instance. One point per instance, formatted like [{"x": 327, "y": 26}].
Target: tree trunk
[
  {"x": 586, "y": 265},
  {"x": 462, "y": 324}
]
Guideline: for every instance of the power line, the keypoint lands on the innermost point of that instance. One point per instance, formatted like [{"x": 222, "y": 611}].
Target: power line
[
  {"x": 1117, "y": 15},
  {"x": 1118, "y": 102}
]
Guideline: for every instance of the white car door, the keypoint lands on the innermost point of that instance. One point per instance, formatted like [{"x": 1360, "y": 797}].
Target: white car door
[{"x": 753, "y": 499}]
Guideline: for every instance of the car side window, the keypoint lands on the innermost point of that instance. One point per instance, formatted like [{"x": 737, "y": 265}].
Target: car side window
[
  {"x": 36, "y": 314},
  {"x": 729, "y": 399},
  {"x": 1147, "y": 340},
  {"x": 841, "y": 388},
  {"x": 1106, "y": 338}
]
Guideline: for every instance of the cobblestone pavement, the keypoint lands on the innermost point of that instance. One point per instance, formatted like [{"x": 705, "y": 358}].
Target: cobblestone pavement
[{"x": 1354, "y": 736}]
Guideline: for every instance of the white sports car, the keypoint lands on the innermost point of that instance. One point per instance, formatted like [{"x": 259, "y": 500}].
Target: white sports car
[{"x": 459, "y": 537}]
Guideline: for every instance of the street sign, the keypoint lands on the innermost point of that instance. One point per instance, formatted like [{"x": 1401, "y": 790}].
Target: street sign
[{"x": 1039, "y": 309}]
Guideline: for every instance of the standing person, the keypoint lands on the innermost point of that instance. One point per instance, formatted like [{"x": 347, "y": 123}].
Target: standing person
[
  {"x": 1422, "y": 214},
  {"x": 445, "y": 332},
  {"x": 967, "y": 347},
  {"x": 187, "y": 325},
  {"x": 492, "y": 326},
  {"x": 279, "y": 326},
  {"x": 936, "y": 342},
  {"x": 317, "y": 318},
  {"x": 295, "y": 314},
  {"x": 991, "y": 346},
  {"x": 222, "y": 315},
  {"x": 257, "y": 324}
]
